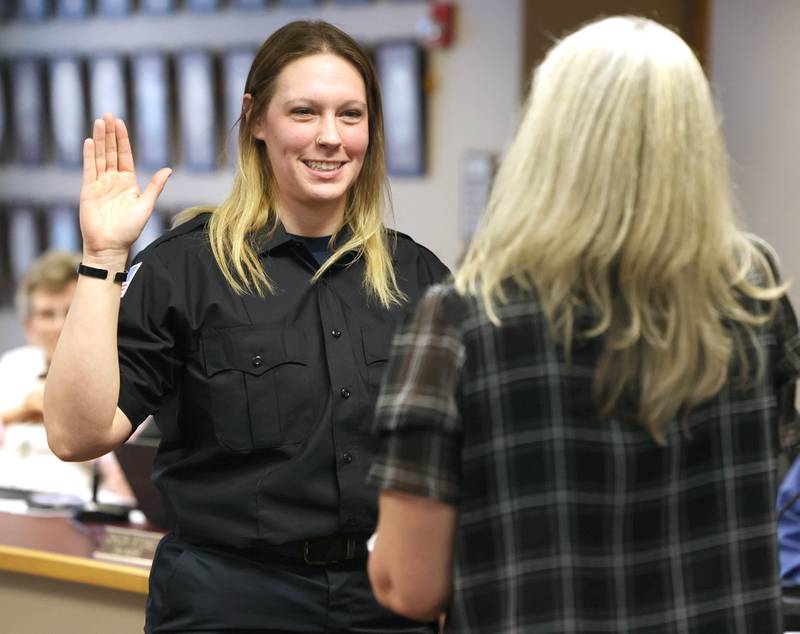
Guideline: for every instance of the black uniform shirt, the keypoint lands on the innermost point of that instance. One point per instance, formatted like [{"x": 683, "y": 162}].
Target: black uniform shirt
[{"x": 264, "y": 404}]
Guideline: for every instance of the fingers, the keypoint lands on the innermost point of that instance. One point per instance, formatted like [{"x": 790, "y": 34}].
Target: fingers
[
  {"x": 99, "y": 138},
  {"x": 155, "y": 186},
  {"x": 124, "y": 152},
  {"x": 89, "y": 167},
  {"x": 111, "y": 141}
]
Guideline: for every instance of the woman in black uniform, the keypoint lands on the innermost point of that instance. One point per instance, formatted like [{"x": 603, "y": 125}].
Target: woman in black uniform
[{"x": 256, "y": 332}]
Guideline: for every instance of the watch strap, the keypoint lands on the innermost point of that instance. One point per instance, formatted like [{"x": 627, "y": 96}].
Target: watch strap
[{"x": 100, "y": 274}]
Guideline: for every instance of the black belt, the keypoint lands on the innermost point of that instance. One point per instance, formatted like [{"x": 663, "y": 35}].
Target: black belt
[
  {"x": 317, "y": 551},
  {"x": 321, "y": 551}
]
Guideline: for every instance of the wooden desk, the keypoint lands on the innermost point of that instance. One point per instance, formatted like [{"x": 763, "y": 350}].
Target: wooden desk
[{"x": 50, "y": 582}]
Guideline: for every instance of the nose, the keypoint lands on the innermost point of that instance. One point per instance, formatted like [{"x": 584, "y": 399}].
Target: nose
[{"x": 328, "y": 132}]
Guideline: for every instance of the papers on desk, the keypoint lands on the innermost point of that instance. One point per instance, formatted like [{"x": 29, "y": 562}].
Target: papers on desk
[
  {"x": 26, "y": 462},
  {"x": 17, "y": 507}
]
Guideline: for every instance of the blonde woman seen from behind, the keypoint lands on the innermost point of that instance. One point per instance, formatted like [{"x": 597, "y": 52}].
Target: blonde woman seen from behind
[{"x": 580, "y": 434}]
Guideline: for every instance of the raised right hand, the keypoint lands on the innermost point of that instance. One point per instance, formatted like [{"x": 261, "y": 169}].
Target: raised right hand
[{"x": 113, "y": 211}]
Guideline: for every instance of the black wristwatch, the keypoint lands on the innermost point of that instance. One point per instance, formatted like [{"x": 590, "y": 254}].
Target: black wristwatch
[{"x": 100, "y": 274}]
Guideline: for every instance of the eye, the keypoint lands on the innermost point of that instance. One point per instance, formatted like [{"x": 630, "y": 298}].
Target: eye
[
  {"x": 353, "y": 115},
  {"x": 302, "y": 112}
]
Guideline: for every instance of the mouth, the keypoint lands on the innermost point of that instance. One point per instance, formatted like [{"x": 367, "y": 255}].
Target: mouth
[{"x": 324, "y": 167}]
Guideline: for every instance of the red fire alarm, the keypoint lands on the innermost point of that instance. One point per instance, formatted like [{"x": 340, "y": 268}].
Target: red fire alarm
[{"x": 439, "y": 27}]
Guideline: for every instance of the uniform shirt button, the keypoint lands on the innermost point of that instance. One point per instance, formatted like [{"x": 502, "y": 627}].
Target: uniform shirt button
[
  {"x": 344, "y": 392},
  {"x": 257, "y": 361},
  {"x": 351, "y": 521},
  {"x": 335, "y": 333},
  {"x": 347, "y": 457}
]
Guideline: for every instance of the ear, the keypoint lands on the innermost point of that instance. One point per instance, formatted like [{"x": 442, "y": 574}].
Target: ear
[
  {"x": 256, "y": 125},
  {"x": 247, "y": 105}
]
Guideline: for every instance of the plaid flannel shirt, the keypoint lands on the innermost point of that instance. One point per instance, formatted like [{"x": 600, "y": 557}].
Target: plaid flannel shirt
[{"x": 572, "y": 524}]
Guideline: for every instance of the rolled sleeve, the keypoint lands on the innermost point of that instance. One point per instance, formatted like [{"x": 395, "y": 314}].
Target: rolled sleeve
[{"x": 417, "y": 419}]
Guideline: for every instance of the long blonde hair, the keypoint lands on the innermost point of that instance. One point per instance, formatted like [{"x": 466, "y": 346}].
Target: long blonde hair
[
  {"x": 249, "y": 207},
  {"x": 615, "y": 195}
]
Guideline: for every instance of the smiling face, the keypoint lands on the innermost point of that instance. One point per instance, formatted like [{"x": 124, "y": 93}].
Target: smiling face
[{"x": 316, "y": 134}]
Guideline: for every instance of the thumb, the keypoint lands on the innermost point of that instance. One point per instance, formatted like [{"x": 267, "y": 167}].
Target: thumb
[{"x": 156, "y": 186}]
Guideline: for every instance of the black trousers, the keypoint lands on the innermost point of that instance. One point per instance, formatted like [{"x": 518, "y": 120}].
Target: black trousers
[{"x": 209, "y": 589}]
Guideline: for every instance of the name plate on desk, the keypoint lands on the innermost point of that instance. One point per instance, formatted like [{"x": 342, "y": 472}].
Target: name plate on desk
[{"x": 127, "y": 546}]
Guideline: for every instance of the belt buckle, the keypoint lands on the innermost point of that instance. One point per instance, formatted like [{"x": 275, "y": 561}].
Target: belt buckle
[
  {"x": 350, "y": 550},
  {"x": 307, "y": 556}
]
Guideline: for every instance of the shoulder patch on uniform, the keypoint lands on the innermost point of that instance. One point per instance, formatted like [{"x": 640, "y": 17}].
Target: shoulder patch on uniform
[{"x": 129, "y": 278}]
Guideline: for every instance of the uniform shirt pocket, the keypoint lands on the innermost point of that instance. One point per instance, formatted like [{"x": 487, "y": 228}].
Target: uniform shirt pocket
[
  {"x": 256, "y": 379},
  {"x": 376, "y": 342}
]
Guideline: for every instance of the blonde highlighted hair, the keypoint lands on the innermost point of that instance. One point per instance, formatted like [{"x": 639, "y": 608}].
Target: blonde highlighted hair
[
  {"x": 615, "y": 195},
  {"x": 250, "y": 206}
]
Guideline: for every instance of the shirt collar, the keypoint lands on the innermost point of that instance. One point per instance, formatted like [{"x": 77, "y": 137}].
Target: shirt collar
[{"x": 265, "y": 241}]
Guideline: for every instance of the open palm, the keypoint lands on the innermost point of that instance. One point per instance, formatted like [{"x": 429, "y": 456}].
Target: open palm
[{"x": 113, "y": 210}]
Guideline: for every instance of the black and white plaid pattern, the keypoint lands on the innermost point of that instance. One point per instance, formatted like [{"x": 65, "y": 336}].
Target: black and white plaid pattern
[{"x": 572, "y": 524}]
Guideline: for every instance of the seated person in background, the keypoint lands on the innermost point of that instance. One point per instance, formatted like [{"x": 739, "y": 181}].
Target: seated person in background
[
  {"x": 580, "y": 434},
  {"x": 26, "y": 462}
]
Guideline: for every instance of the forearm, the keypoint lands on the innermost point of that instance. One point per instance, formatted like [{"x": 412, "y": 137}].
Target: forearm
[
  {"x": 19, "y": 414},
  {"x": 407, "y": 603},
  {"x": 83, "y": 379},
  {"x": 411, "y": 565}
]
